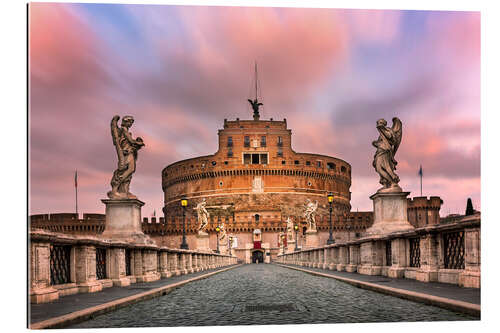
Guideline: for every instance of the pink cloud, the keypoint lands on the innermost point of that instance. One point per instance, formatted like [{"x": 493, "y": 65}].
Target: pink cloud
[
  {"x": 62, "y": 51},
  {"x": 375, "y": 26}
]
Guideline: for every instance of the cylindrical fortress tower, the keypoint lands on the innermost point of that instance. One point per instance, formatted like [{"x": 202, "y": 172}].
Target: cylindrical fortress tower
[{"x": 256, "y": 175}]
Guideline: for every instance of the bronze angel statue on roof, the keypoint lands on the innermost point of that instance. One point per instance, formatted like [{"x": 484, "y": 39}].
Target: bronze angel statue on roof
[
  {"x": 255, "y": 106},
  {"x": 387, "y": 145},
  {"x": 126, "y": 149}
]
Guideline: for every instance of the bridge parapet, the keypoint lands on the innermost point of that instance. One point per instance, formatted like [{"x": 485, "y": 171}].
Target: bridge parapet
[
  {"x": 448, "y": 253},
  {"x": 65, "y": 264}
]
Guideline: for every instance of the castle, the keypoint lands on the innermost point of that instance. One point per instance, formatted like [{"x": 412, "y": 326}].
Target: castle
[{"x": 252, "y": 185}]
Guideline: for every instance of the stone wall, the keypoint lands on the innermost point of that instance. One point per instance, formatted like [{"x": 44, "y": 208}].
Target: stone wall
[
  {"x": 447, "y": 253},
  {"x": 89, "y": 264},
  {"x": 91, "y": 224}
]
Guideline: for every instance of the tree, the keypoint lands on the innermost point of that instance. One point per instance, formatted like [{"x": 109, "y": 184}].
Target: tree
[{"x": 469, "y": 210}]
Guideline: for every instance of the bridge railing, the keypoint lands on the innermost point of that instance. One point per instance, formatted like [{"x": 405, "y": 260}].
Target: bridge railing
[
  {"x": 448, "y": 253},
  {"x": 63, "y": 264}
]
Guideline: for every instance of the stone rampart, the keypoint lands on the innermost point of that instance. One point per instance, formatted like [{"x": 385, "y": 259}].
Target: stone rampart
[
  {"x": 70, "y": 223},
  {"x": 448, "y": 253}
]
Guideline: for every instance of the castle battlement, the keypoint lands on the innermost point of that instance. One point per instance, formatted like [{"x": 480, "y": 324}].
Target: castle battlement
[
  {"x": 424, "y": 211},
  {"x": 91, "y": 223}
]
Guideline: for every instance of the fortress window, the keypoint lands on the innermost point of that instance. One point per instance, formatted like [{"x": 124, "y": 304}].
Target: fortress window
[
  {"x": 319, "y": 164},
  {"x": 229, "y": 141},
  {"x": 214, "y": 163},
  {"x": 342, "y": 168},
  {"x": 262, "y": 141},
  {"x": 280, "y": 141},
  {"x": 280, "y": 152},
  {"x": 257, "y": 217},
  {"x": 256, "y": 158},
  {"x": 296, "y": 162},
  {"x": 225, "y": 162},
  {"x": 263, "y": 158},
  {"x": 330, "y": 166},
  {"x": 308, "y": 162},
  {"x": 220, "y": 183},
  {"x": 247, "y": 141},
  {"x": 283, "y": 162},
  {"x": 229, "y": 152},
  {"x": 309, "y": 183}
]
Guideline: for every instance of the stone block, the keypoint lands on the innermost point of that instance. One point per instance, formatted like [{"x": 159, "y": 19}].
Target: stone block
[
  {"x": 40, "y": 290},
  {"x": 411, "y": 273},
  {"x": 123, "y": 221},
  {"x": 470, "y": 279},
  {"x": 123, "y": 282},
  {"x": 66, "y": 289},
  {"x": 312, "y": 239},
  {"x": 449, "y": 276},
  {"x": 202, "y": 242},
  {"x": 427, "y": 275},
  {"x": 43, "y": 295},
  {"x": 89, "y": 287},
  {"x": 351, "y": 268},
  {"x": 389, "y": 213},
  {"x": 369, "y": 270},
  {"x": 396, "y": 272},
  {"x": 106, "y": 283}
]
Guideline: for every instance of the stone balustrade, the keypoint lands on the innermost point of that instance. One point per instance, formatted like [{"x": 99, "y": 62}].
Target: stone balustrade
[
  {"x": 448, "y": 253},
  {"x": 63, "y": 264}
]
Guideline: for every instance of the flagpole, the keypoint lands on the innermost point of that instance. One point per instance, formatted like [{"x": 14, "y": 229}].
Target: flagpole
[
  {"x": 76, "y": 191},
  {"x": 421, "y": 174}
]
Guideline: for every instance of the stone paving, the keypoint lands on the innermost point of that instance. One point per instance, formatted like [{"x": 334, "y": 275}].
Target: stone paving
[
  {"x": 446, "y": 290},
  {"x": 269, "y": 294},
  {"x": 76, "y": 302}
]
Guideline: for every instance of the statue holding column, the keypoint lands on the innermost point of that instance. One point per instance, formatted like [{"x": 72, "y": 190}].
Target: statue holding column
[{"x": 126, "y": 148}]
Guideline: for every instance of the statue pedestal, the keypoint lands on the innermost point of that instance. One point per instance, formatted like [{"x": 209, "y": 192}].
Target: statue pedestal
[
  {"x": 223, "y": 248},
  {"x": 312, "y": 239},
  {"x": 290, "y": 246},
  {"x": 123, "y": 221},
  {"x": 202, "y": 242},
  {"x": 389, "y": 213}
]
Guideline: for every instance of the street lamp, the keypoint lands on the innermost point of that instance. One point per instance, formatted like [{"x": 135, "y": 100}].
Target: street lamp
[
  {"x": 330, "y": 201},
  {"x": 184, "y": 204},
  {"x": 230, "y": 243},
  {"x": 217, "y": 229},
  {"x": 296, "y": 227},
  {"x": 348, "y": 227}
]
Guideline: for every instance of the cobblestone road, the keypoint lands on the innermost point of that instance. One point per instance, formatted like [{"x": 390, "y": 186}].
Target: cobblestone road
[{"x": 268, "y": 294}]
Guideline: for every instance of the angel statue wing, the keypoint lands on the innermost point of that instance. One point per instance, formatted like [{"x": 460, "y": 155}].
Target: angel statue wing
[
  {"x": 115, "y": 134},
  {"x": 397, "y": 129}
]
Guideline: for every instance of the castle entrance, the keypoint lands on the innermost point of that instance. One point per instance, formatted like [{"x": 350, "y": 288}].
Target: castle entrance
[{"x": 257, "y": 256}]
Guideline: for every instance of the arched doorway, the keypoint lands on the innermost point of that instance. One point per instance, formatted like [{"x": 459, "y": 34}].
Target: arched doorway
[{"x": 257, "y": 256}]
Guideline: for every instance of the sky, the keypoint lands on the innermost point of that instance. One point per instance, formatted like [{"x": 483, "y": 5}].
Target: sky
[{"x": 180, "y": 70}]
